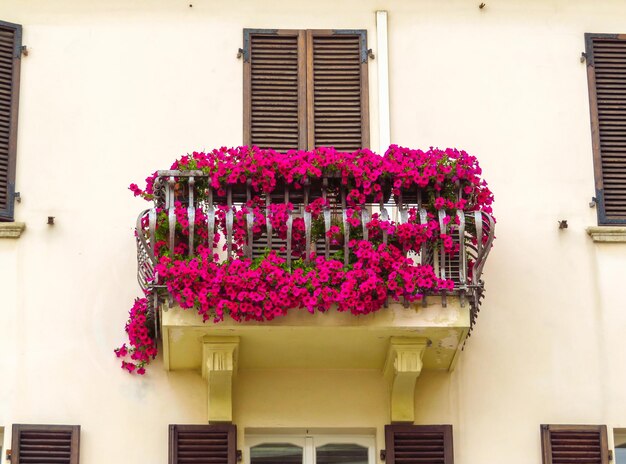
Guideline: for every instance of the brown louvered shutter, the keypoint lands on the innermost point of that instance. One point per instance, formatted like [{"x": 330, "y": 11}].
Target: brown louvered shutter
[
  {"x": 45, "y": 444},
  {"x": 337, "y": 89},
  {"x": 584, "y": 444},
  {"x": 413, "y": 444},
  {"x": 203, "y": 444},
  {"x": 274, "y": 89},
  {"x": 606, "y": 71},
  {"x": 10, "y": 51}
]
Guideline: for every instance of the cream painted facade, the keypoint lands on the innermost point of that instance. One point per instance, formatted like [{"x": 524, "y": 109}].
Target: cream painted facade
[{"x": 112, "y": 90}]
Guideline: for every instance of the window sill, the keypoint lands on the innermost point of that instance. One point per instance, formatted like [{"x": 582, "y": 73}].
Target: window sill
[
  {"x": 11, "y": 229},
  {"x": 608, "y": 234}
]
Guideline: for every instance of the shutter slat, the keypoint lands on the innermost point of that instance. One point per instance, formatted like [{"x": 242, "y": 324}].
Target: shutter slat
[
  {"x": 9, "y": 78},
  {"x": 413, "y": 444},
  {"x": 563, "y": 444},
  {"x": 46, "y": 444},
  {"x": 275, "y": 117},
  {"x": 608, "y": 98},
  {"x": 336, "y": 92},
  {"x": 208, "y": 444}
]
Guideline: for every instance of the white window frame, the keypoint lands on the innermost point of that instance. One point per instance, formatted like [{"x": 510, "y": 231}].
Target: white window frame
[{"x": 310, "y": 441}]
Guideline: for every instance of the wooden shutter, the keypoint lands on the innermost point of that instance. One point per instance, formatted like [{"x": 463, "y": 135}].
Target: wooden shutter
[
  {"x": 337, "y": 89},
  {"x": 274, "y": 89},
  {"x": 606, "y": 72},
  {"x": 415, "y": 444},
  {"x": 203, "y": 444},
  {"x": 10, "y": 52},
  {"x": 45, "y": 444},
  {"x": 584, "y": 444}
]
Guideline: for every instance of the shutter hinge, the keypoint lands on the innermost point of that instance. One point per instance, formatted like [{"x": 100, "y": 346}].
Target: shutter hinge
[
  {"x": 239, "y": 456},
  {"x": 610, "y": 455},
  {"x": 370, "y": 54},
  {"x": 593, "y": 202},
  {"x": 240, "y": 53},
  {"x": 383, "y": 455},
  {"x": 18, "y": 197},
  {"x": 583, "y": 57},
  {"x": 24, "y": 50},
  {"x": 8, "y": 455}
]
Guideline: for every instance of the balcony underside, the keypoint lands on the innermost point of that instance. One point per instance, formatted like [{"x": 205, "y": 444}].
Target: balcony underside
[{"x": 330, "y": 340}]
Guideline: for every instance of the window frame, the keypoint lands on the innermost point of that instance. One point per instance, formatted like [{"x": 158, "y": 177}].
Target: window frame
[
  {"x": 8, "y": 214},
  {"x": 17, "y": 429},
  {"x": 306, "y": 119},
  {"x": 547, "y": 429},
  {"x": 603, "y": 220},
  {"x": 445, "y": 430},
  {"x": 229, "y": 429},
  {"x": 309, "y": 443}
]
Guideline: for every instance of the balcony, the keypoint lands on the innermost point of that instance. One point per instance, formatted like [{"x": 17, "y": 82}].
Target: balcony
[{"x": 415, "y": 253}]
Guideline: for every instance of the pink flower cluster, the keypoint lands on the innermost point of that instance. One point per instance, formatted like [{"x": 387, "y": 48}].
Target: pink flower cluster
[
  {"x": 439, "y": 173},
  {"x": 245, "y": 290},
  {"x": 142, "y": 346},
  {"x": 379, "y": 269}
]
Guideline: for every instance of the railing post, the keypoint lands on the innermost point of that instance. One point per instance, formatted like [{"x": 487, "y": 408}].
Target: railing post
[
  {"x": 171, "y": 213},
  {"x": 191, "y": 214},
  {"x": 463, "y": 257},
  {"x": 268, "y": 222},
  {"x": 249, "y": 219},
  {"x": 210, "y": 217},
  {"x": 307, "y": 221},
  {"x": 384, "y": 216},
  {"x": 289, "y": 225},
  {"x": 229, "y": 222},
  {"x": 326, "y": 212},
  {"x": 442, "y": 255},
  {"x": 346, "y": 226}
]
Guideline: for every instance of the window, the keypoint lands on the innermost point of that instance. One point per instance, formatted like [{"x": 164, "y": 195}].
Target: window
[
  {"x": 310, "y": 449},
  {"x": 419, "y": 443},
  {"x": 574, "y": 443},
  {"x": 619, "y": 440},
  {"x": 45, "y": 443},
  {"x": 606, "y": 74},
  {"x": 216, "y": 444},
  {"x": 10, "y": 52},
  {"x": 305, "y": 89}
]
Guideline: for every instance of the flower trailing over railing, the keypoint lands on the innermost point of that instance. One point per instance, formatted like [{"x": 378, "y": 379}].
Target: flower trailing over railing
[{"x": 250, "y": 234}]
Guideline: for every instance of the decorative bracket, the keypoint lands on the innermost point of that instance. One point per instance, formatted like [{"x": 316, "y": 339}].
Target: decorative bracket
[
  {"x": 403, "y": 366},
  {"x": 219, "y": 365}
]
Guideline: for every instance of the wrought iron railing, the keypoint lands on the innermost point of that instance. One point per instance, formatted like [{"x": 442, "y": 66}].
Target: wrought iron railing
[{"x": 474, "y": 233}]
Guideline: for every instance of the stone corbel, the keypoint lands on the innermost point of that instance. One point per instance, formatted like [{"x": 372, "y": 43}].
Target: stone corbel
[
  {"x": 219, "y": 365},
  {"x": 403, "y": 366}
]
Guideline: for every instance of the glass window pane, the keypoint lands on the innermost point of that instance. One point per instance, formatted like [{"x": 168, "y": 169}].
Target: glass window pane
[
  {"x": 341, "y": 453},
  {"x": 276, "y": 453},
  {"x": 619, "y": 439}
]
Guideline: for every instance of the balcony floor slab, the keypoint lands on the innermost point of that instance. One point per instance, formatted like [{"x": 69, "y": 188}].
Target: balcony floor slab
[{"x": 332, "y": 340}]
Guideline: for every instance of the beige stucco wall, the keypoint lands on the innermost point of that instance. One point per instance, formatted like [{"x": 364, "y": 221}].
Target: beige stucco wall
[{"x": 113, "y": 90}]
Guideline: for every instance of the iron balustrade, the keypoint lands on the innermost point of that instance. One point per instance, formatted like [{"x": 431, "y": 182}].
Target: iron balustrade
[{"x": 474, "y": 233}]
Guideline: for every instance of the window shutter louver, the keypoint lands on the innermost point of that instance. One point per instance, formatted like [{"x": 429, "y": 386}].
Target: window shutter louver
[
  {"x": 584, "y": 444},
  {"x": 606, "y": 66},
  {"x": 45, "y": 444},
  {"x": 419, "y": 444},
  {"x": 10, "y": 51},
  {"x": 203, "y": 444},
  {"x": 274, "y": 89},
  {"x": 337, "y": 113}
]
